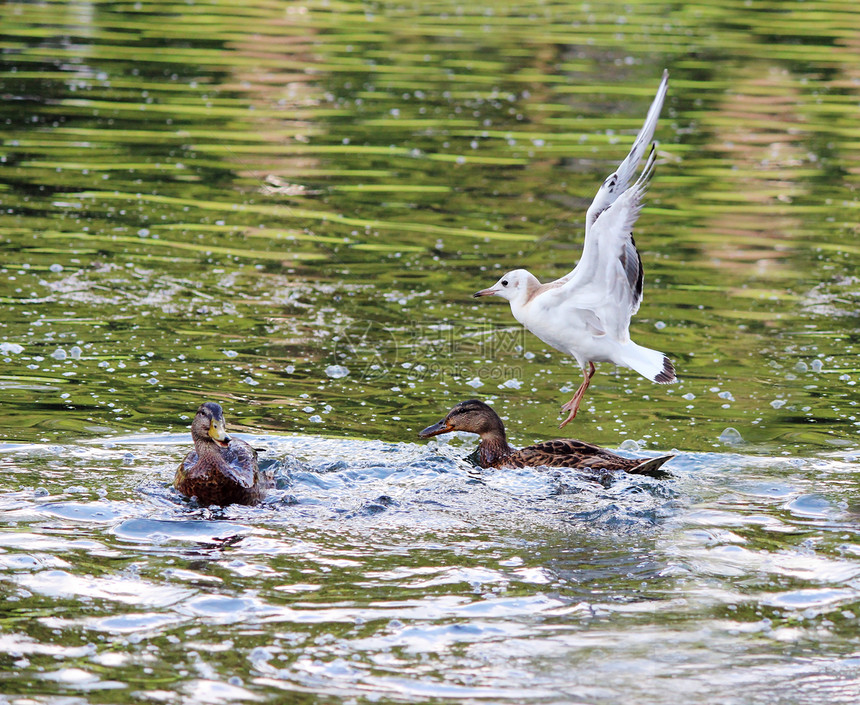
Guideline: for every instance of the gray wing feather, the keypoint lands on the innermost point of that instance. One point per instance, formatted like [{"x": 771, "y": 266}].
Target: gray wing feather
[
  {"x": 617, "y": 182},
  {"x": 611, "y": 286},
  {"x": 616, "y": 185}
]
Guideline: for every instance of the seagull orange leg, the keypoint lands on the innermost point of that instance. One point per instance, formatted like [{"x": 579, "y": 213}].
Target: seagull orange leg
[{"x": 573, "y": 405}]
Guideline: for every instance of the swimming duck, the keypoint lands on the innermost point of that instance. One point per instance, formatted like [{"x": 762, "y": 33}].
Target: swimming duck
[
  {"x": 220, "y": 470},
  {"x": 475, "y": 416},
  {"x": 586, "y": 313}
]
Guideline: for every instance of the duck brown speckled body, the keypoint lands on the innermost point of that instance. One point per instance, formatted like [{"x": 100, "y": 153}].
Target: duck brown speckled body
[
  {"x": 220, "y": 470},
  {"x": 475, "y": 416}
]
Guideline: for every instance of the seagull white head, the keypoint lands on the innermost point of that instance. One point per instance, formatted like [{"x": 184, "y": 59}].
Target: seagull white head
[{"x": 514, "y": 286}]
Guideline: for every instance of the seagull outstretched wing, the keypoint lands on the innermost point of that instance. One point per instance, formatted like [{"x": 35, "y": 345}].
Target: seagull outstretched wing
[
  {"x": 617, "y": 182},
  {"x": 608, "y": 277}
]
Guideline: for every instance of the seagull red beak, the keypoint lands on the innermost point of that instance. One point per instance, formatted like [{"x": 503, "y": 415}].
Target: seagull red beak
[{"x": 485, "y": 292}]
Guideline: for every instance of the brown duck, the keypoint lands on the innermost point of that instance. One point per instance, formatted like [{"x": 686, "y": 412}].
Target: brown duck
[
  {"x": 493, "y": 451},
  {"x": 220, "y": 470}
]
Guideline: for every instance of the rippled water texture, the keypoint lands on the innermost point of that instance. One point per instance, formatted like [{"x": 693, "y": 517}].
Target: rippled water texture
[{"x": 285, "y": 208}]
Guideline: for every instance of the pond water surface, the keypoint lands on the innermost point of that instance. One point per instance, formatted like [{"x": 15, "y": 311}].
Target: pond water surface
[{"x": 285, "y": 207}]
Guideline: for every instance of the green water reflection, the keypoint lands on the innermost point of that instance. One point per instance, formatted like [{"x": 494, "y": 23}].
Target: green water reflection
[
  {"x": 214, "y": 202},
  {"x": 286, "y": 207}
]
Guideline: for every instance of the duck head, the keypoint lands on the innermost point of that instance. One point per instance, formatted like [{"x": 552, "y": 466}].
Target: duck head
[
  {"x": 472, "y": 416},
  {"x": 516, "y": 286},
  {"x": 209, "y": 425}
]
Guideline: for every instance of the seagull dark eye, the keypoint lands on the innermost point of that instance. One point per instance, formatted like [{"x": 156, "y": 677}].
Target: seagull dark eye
[{"x": 504, "y": 282}]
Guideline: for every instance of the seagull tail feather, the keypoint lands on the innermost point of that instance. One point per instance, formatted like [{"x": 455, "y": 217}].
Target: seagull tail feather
[{"x": 649, "y": 363}]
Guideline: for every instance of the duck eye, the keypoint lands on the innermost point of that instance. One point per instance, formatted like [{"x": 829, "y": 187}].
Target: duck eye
[{"x": 504, "y": 282}]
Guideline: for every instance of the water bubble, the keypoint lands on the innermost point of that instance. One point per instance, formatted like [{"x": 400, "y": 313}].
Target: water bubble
[
  {"x": 250, "y": 380},
  {"x": 59, "y": 354},
  {"x": 474, "y": 383},
  {"x": 659, "y": 325},
  {"x": 11, "y": 348},
  {"x": 230, "y": 353},
  {"x": 316, "y": 418},
  {"x": 629, "y": 444},
  {"x": 260, "y": 653},
  {"x": 731, "y": 436},
  {"x": 336, "y": 371},
  {"x": 817, "y": 365},
  {"x": 689, "y": 396},
  {"x": 56, "y": 268},
  {"x": 801, "y": 367},
  {"x": 778, "y": 403},
  {"x": 75, "y": 352},
  {"x": 511, "y": 384},
  {"x": 726, "y": 395}
]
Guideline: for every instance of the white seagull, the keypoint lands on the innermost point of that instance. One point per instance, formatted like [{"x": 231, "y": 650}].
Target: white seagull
[{"x": 587, "y": 312}]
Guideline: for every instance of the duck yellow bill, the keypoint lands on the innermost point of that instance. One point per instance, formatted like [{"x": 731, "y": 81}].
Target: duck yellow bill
[
  {"x": 435, "y": 429},
  {"x": 485, "y": 292},
  {"x": 218, "y": 432}
]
